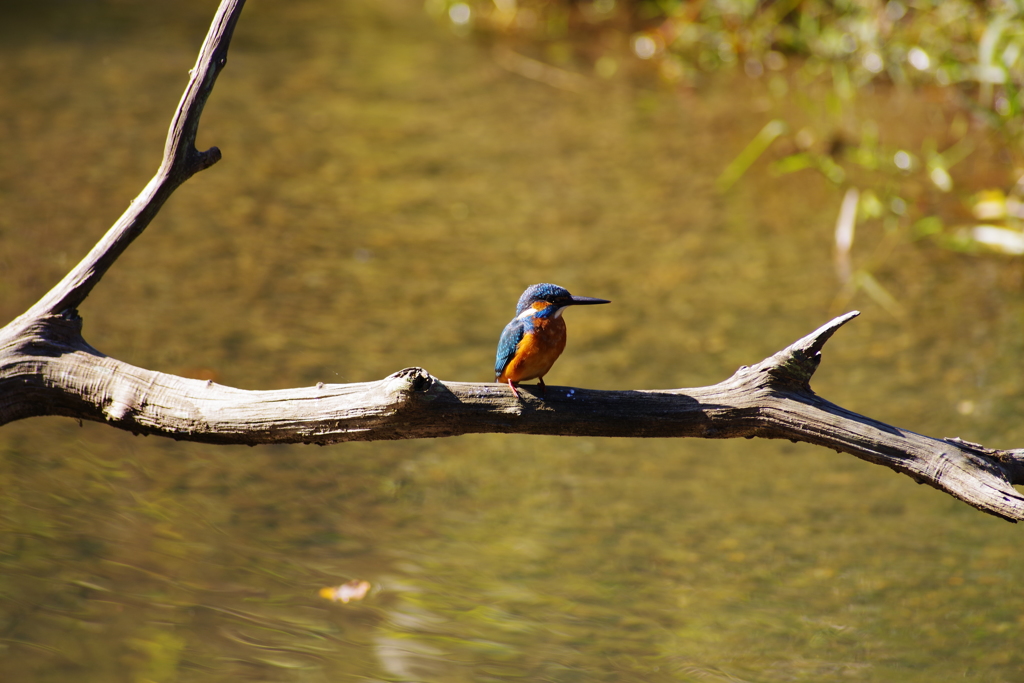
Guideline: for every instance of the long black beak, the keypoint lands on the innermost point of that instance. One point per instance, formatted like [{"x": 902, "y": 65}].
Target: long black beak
[{"x": 587, "y": 301}]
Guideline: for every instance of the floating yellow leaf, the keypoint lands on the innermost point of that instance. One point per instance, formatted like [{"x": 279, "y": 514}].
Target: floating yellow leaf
[{"x": 346, "y": 592}]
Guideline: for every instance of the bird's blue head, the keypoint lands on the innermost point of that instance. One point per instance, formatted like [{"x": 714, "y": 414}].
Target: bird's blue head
[{"x": 557, "y": 297}]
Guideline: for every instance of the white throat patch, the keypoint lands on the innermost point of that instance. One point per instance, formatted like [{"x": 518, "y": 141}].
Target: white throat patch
[{"x": 530, "y": 312}]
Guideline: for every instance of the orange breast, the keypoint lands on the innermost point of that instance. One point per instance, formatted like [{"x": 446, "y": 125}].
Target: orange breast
[{"x": 537, "y": 351}]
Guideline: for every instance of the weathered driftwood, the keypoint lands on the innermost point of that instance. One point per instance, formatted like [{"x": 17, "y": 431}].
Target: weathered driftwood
[{"x": 47, "y": 368}]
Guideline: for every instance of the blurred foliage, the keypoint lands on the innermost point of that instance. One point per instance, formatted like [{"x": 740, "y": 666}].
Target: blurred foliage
[
  {"x": 947, "y": 43},
  {"x": 818, "y": 60}
]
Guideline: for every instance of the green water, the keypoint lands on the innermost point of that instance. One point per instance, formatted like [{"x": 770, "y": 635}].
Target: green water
[{"x": 387, "y": 191}]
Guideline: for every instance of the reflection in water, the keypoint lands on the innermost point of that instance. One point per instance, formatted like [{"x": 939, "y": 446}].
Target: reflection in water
[
  {"x": 409, "y": 660},
  {"x": 381, "y": 181}
]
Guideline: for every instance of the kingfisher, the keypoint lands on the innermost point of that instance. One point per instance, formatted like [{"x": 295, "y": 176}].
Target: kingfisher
[{"x": 535, "y": 338}]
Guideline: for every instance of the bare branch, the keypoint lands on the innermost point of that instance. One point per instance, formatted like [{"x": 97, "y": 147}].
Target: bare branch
[
  {"x": 180, "y": 162},
  {"x": 47, "y": 368},
  {"x": 52, "y": 371}
]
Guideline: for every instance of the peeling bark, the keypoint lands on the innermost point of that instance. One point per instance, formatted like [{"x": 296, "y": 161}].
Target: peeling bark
[{"x": 47, "y": 368}]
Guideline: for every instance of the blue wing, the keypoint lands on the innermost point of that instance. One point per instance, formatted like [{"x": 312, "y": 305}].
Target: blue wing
[{"x": 510, "y": 338}]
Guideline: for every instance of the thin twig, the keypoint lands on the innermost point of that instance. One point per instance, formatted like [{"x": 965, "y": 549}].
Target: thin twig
[{"x": 181, "y": 161}]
